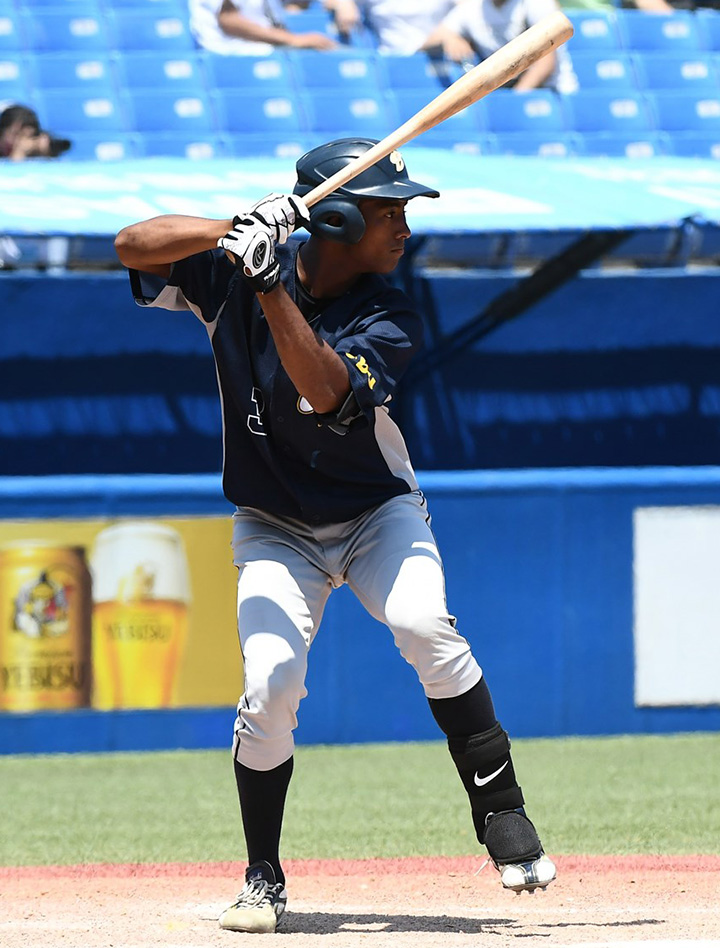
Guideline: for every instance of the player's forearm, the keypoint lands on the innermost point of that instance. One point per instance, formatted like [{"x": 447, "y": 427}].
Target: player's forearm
[
  {"x": 166, "y": 239},
  {"x": 315, "y": 369}
]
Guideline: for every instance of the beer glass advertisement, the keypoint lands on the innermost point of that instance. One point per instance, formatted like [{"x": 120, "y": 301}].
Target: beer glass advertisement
[{"x": 117, "y": 614}]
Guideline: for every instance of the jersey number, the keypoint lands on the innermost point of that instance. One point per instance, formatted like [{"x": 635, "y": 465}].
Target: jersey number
[{"x": 255, "y": 422}]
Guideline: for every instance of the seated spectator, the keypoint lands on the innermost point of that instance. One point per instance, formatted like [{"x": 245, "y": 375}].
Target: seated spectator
[
  {"x": 21, "y": 136},
  {"x": 247, "y": 28},
  {"x": 399, "y": 26},
  {"x": 475, "y": 29}
]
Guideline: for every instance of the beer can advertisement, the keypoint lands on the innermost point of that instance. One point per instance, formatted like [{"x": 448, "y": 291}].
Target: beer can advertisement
[{"x": 129, "y": 613}]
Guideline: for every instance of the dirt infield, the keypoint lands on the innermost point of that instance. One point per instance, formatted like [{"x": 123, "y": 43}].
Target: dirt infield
[{"x": 423, "y": 903}]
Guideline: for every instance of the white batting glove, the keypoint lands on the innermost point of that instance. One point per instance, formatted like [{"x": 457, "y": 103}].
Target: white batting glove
[
  {"x": 282, "y": 213},
  {"x": 251, "y": 247}
]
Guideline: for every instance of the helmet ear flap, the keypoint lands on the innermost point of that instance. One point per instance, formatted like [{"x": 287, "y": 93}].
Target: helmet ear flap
[{"x": 337, "y": 218}]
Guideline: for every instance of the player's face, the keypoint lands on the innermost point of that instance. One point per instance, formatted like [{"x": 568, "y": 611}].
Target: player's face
[{"x": 386, "y": 231}]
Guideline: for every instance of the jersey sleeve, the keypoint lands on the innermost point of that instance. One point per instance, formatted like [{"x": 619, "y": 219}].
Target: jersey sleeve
[
  {"x": 378, "y": 355},
  {"x": 198, "y": 283}
]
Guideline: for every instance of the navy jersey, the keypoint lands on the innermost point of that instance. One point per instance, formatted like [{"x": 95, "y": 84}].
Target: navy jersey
[{"x": 279, "y": 455}]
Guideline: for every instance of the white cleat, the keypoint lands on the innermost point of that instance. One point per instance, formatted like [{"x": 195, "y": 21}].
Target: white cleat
[
  {"x": 259, "y": 907},
  {"x": 528, "y": 876}
]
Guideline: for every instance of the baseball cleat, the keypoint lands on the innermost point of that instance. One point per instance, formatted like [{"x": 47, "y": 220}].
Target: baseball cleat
[
  {"x": 516, "y": 852},
  {"x": 260, "y": 905}
]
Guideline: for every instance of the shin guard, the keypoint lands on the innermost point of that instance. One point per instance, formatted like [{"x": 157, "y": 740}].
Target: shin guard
[{"x": 486, "y": 770}]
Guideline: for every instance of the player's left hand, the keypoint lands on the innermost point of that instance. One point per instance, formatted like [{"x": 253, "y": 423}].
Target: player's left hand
[
  {"x": 251, "y": 247},
  {"x": 282, "y": 213}
]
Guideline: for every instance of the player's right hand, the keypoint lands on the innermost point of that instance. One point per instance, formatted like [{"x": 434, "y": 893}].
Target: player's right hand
[
  {"x": 251, "y": 247},
  {"x": 281, "y": 213}
]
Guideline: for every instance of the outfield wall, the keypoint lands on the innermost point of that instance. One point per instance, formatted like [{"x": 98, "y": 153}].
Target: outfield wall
[{"x": 589, "y": 597}]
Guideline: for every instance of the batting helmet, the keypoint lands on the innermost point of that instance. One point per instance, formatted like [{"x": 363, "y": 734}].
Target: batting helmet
[{"x": 338, "y": 216}]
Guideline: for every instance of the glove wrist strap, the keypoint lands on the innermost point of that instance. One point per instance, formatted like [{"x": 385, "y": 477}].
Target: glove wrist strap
[{"x": 266, "y": 280}]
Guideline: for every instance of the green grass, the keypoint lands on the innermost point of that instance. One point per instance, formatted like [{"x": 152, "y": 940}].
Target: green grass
[{"x": 657, "y": 794}]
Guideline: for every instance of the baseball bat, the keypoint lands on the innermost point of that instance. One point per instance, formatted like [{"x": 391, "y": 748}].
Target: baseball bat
[{"x": 504, "y": 64}]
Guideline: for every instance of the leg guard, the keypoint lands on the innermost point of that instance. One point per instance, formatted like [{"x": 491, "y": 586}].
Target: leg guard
[{"x": 486, "y": 770}]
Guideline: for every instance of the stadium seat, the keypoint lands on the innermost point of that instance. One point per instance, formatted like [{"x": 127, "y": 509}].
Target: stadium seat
[
  {"x": 642, "y": 31},
  {"x": 205, "y": 145},
  {"x": 11, "y": 36},
  {"x": 349, "y": 69},
  {"x": 708, "y": 27},
  {"x": 316, "y": 19},
  {"x": 13, "y": 78},
  {"x": 623, "y": 144},
  {"x": 474, "y": 143},
  {"x": 69, "y": 111},
  {"x": 160, "y": 7},
  {"x": 594, "y": 31},
  {"x": 603, "y": 111},
  {"x": 538, "y": 110},
  {"x": 685, "y": 111},
  {"x": 141, "y": 29},
  {"x": 89, "y": 73},
  {"x": 416, "y": 72},
  {"x": 604, "y": 70},
  {"x": 668, "y": 70},
  {"x": 242, "y": 111},
  {"x": 540, "y": 144},
  {"x": 338, "y": 114},
  {"x": 50, "y": 29},
  {"x": 178, "y": 72},
  {"x": 405, "y": 103},
  {"x": 254, "y": 145},
  {"x": 270, "y": 75},
  {"x": 114, "y": 146},
  {"x": 694, "y": 144},
  {"x": 162, "y": 110}
]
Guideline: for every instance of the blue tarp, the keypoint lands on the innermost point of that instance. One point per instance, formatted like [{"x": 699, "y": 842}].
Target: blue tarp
[{"x": 478, "y": 193}]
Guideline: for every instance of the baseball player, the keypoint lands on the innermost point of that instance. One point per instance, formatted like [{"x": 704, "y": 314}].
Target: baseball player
[{"x": 310, "y": 342}]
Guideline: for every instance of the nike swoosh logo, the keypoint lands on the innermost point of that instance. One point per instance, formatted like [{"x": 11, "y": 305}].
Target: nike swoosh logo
[{"x": 481, "y": 781}]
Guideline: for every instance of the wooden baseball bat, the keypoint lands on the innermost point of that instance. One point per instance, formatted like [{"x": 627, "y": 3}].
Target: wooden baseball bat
[{"x": 504, "y": 64}]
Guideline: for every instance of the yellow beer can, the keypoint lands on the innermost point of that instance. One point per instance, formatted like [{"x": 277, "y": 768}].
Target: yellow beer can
[
  {"x": 141, "y": 592},
  {"x": 45, "y": 626}
]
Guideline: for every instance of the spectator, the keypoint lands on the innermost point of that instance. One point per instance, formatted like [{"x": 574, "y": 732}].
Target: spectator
[
  {"x": 21, "y": 136},
  {"x": 475, "y": 29},
  {"x": 398, "y": 26},
  {"x": 247, "y": 28}
]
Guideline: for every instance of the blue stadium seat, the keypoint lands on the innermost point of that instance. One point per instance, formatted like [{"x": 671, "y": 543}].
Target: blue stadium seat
[
  {"x": 708, "y": 27},
  {"x": 604, "y": 70},
  {"x": 417, "y": 72},
  {"x": 13, "y": 78},
  {"x": 685, "y": 111},
  {"x": 623, "y": 144},
  {"x": 162, "y": 110},
  {"x": 350, "y": 69},
  {"x": 594, "y": 31},
  {"x": 114, "y": 146},
  {"x": 601, "y": 111},
  {"x": 468, "y": 122},
  {"x": 12, "y": 38},
  {"x": 538, "y": 110},
  {"x": 205, "y": 145},
  {"x": 243, "y": 111},
  {"x": 142, "y": 29},
  {"x": 540, "y": 144},
  {"x": 268, "y": 74},
  {"x": 316, "y": 19},
  {"x": 68, "y": 111},
  {"x": 474, "y": 143},
  {"x": 178, "y": 72},
  {"x": 276, "y": 145},
  {"x": 89, "y": 73},
  {"x": 668, "y": 70},
  {"x": 71, "y": 7},
  {"x": 52, "y": 29},
  {"x": 694, "y": 144},
  {"x": 642, "y": 31},
  {"x": 338, "y": 114},
  {"x": 161, "y": 7}
]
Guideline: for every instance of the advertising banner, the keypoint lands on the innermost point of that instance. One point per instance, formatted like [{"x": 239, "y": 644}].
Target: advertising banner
[{"x": 106, "y": 614}]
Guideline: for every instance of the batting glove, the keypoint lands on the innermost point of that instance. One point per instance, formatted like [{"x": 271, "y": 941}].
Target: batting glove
[
  {"x": 282, "y": 213},
  {"x": 251, "y": 247}
]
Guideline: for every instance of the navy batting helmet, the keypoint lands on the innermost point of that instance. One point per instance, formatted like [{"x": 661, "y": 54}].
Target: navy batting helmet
[{"x": 338, "y": 216}]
